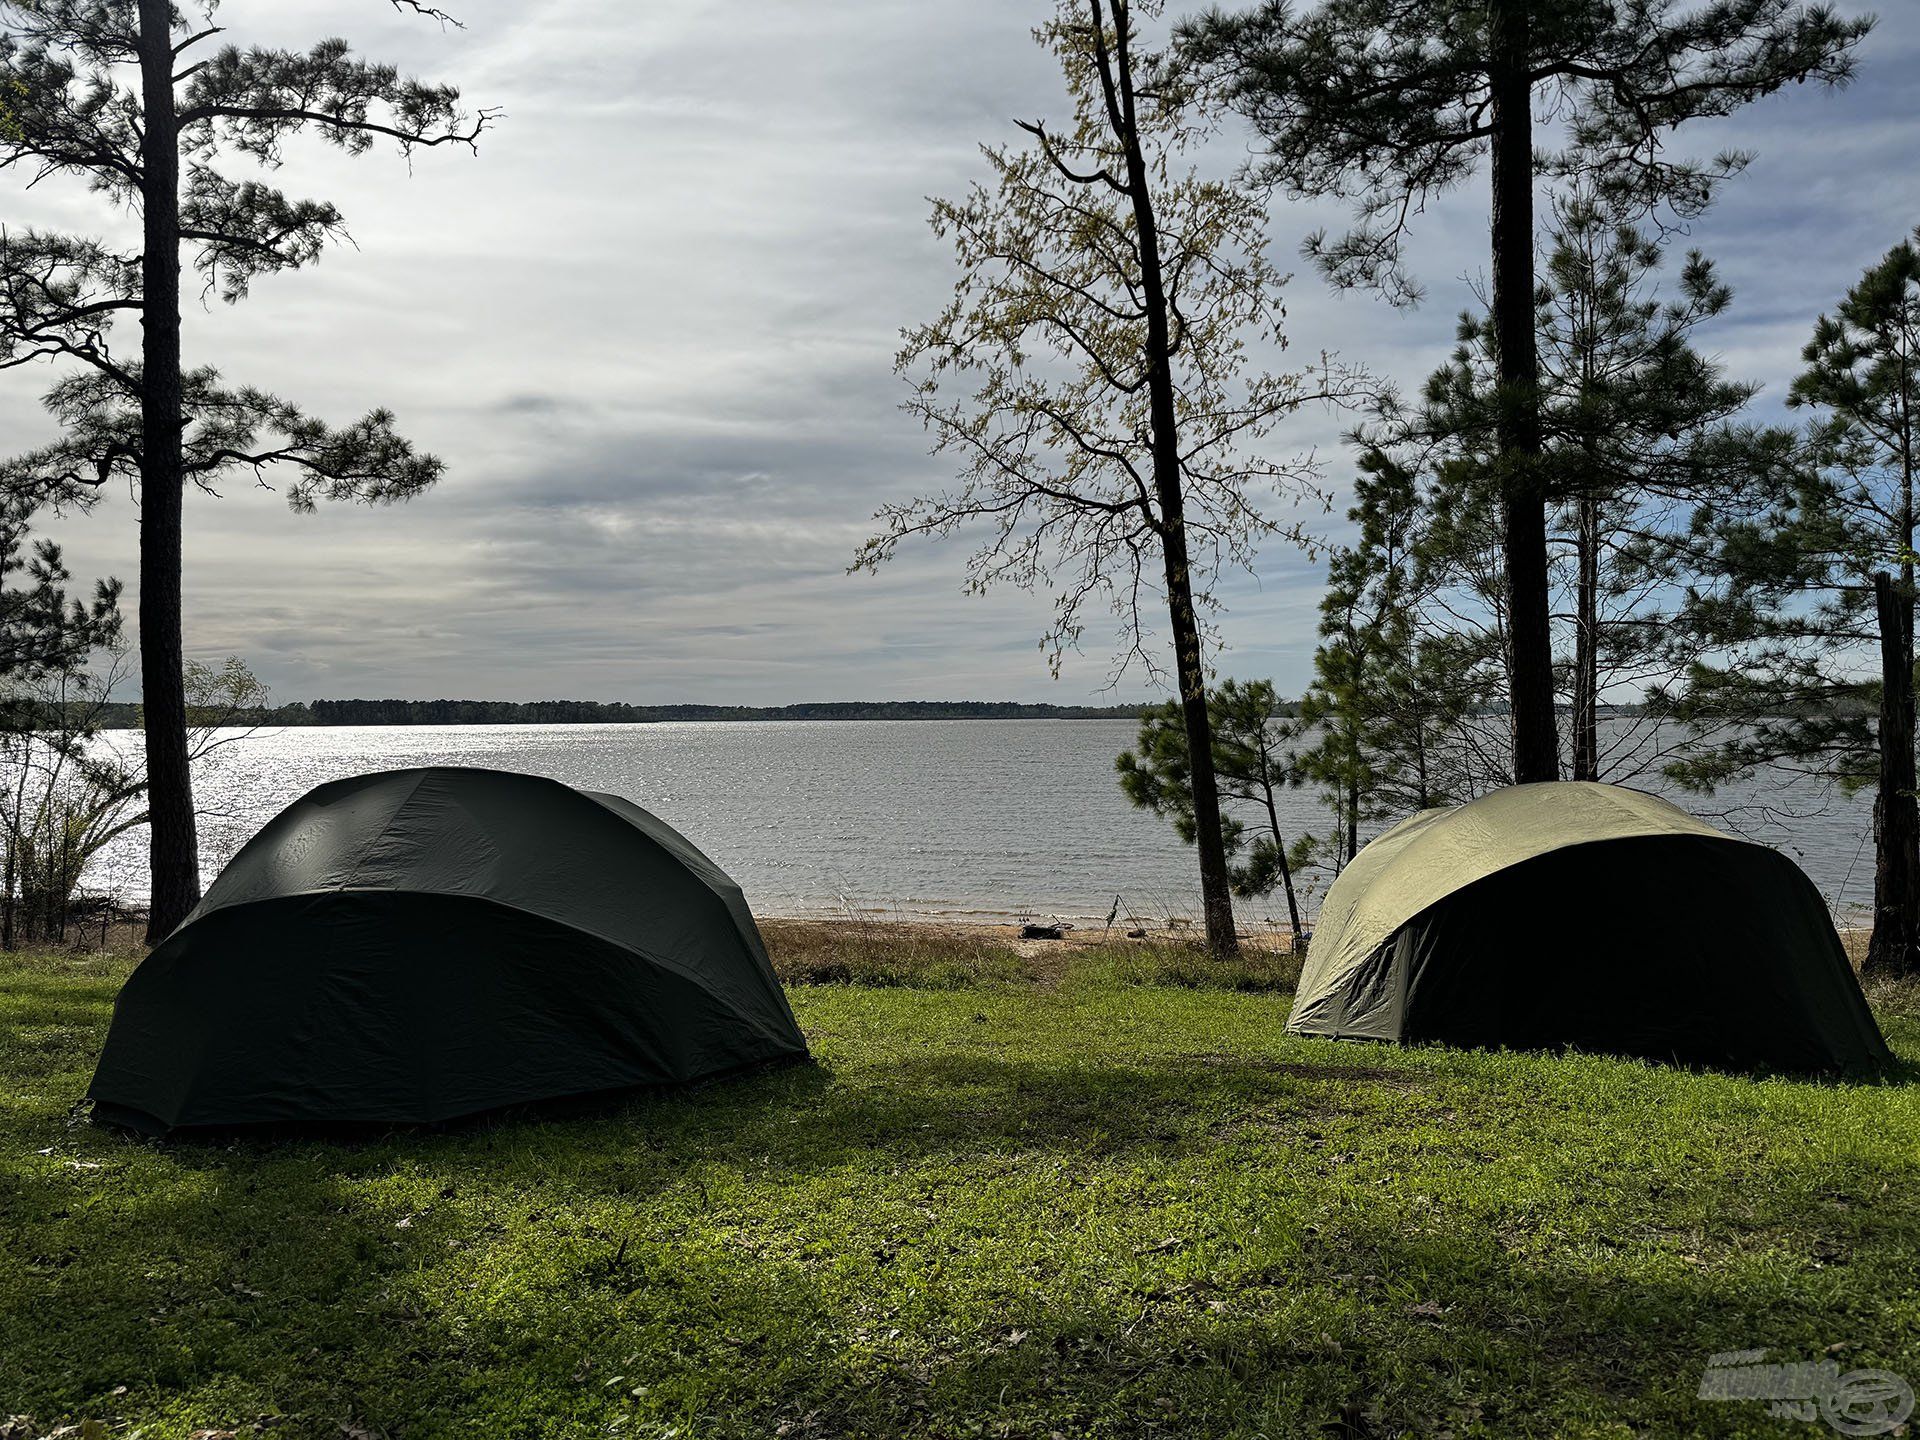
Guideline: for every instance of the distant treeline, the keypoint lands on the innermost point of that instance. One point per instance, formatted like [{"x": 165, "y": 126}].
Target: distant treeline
[
  {"x": 595, "y": 712},
  {"x": 598, "y": 712}
]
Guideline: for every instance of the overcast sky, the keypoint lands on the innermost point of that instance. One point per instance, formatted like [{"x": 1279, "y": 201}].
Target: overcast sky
[{"x": 650, "y": 327}]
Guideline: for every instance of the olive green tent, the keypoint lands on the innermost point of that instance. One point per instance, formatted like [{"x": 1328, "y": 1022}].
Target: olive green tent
[
  {"x": 418, "y": 945},
  {"x": 1587, "y": 916}
]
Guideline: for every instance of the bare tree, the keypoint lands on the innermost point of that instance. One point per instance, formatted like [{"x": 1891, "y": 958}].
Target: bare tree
[
  {"x": 68, "y": 794},
  {"x": 1098, "y": 335}
]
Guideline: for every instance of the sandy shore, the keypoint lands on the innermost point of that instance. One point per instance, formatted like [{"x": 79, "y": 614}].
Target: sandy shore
[
  {"x": 1073, "y": 935},
  {"x": 127, "y": 932}
]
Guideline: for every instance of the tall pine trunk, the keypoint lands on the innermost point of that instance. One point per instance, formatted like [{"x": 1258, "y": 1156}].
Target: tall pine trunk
[
  {"x": 1536, "y": 745},
  {"x": 1353, "y": 817},
  {"x": 1190, "y": 671},
  {"x": 173, "y": 846},
  {"x": 1586, "y": 652},
  {"x": 1895, "y": 946}
]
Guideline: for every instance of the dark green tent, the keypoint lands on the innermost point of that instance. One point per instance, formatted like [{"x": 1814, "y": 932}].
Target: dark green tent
[
  {"x": 1587, "y": 916},
  {"x": 418, "y": 945}
]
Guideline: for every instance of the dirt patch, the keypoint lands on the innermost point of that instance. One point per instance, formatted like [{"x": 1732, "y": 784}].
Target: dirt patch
[{"x": 1307, "y": 1070}]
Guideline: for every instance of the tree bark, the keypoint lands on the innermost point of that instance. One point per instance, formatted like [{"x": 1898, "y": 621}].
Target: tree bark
[
  {"x": 1353, "y": 818},
  {"x": 1895, "y": 946},
  {"x": 1280, "y": 854},
  {"x": 1190, "y": 672},
  {"x": 1536, "y": 745},
  {"x": 1216, "y": 898},
  {"x": 173, "y": 845}
]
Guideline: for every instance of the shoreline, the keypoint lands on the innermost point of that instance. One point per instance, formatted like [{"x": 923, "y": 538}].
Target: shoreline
[
  {"x": 1078, "y": 935},
  {"x": 996, "y": 926}
]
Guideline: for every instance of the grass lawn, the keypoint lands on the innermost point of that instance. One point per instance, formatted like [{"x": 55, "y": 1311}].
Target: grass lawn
[{"x": 1008, "y": 1200}]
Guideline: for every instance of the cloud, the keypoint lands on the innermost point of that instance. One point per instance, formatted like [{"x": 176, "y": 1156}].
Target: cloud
[{"x": 650, "y": 328}]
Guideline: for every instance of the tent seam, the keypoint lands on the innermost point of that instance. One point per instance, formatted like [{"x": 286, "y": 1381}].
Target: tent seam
[{"x": 361, "y": 859}]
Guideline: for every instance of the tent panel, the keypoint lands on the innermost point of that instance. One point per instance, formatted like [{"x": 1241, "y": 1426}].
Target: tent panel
[
  {"x": 355, "y": 1007},
  {"x": 316, "y": 843},
  {"x": 1370, "y": 1005}
]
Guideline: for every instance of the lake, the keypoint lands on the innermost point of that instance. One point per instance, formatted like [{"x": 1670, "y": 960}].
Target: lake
[{"x": 964, "y": 819}]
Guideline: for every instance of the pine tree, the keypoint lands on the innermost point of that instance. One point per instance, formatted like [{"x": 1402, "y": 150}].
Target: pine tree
[
  {"x": 1252, "y": 762},
  {"x": 1391, "y": 705},
  {"x": 107, "y": 91},
  {"x": 43, "y": 630},
  {"x": 1810, "y": 594},
  {"x": 1636, "y": 428},
  {"x": 1389, "y": 102}
]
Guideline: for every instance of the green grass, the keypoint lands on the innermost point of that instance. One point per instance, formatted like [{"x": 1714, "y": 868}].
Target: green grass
[{"x": 1077, "y": 1208}]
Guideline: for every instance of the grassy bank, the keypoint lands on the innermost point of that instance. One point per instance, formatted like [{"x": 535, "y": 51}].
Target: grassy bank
[{"x": 1020, "y": 1194}]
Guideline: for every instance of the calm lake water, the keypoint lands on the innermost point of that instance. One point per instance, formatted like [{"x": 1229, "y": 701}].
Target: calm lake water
[{"x": 962, "y": 818}]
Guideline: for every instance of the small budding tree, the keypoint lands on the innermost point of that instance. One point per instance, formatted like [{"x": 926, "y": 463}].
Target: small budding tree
[
  {"x": 69, "y": 793},
  {"x": 47, "y": 638},
  {"x": 128, "y": 97},
  {"x": 1252, "y": 765},
  {"x": 1091, "y": 376}
]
